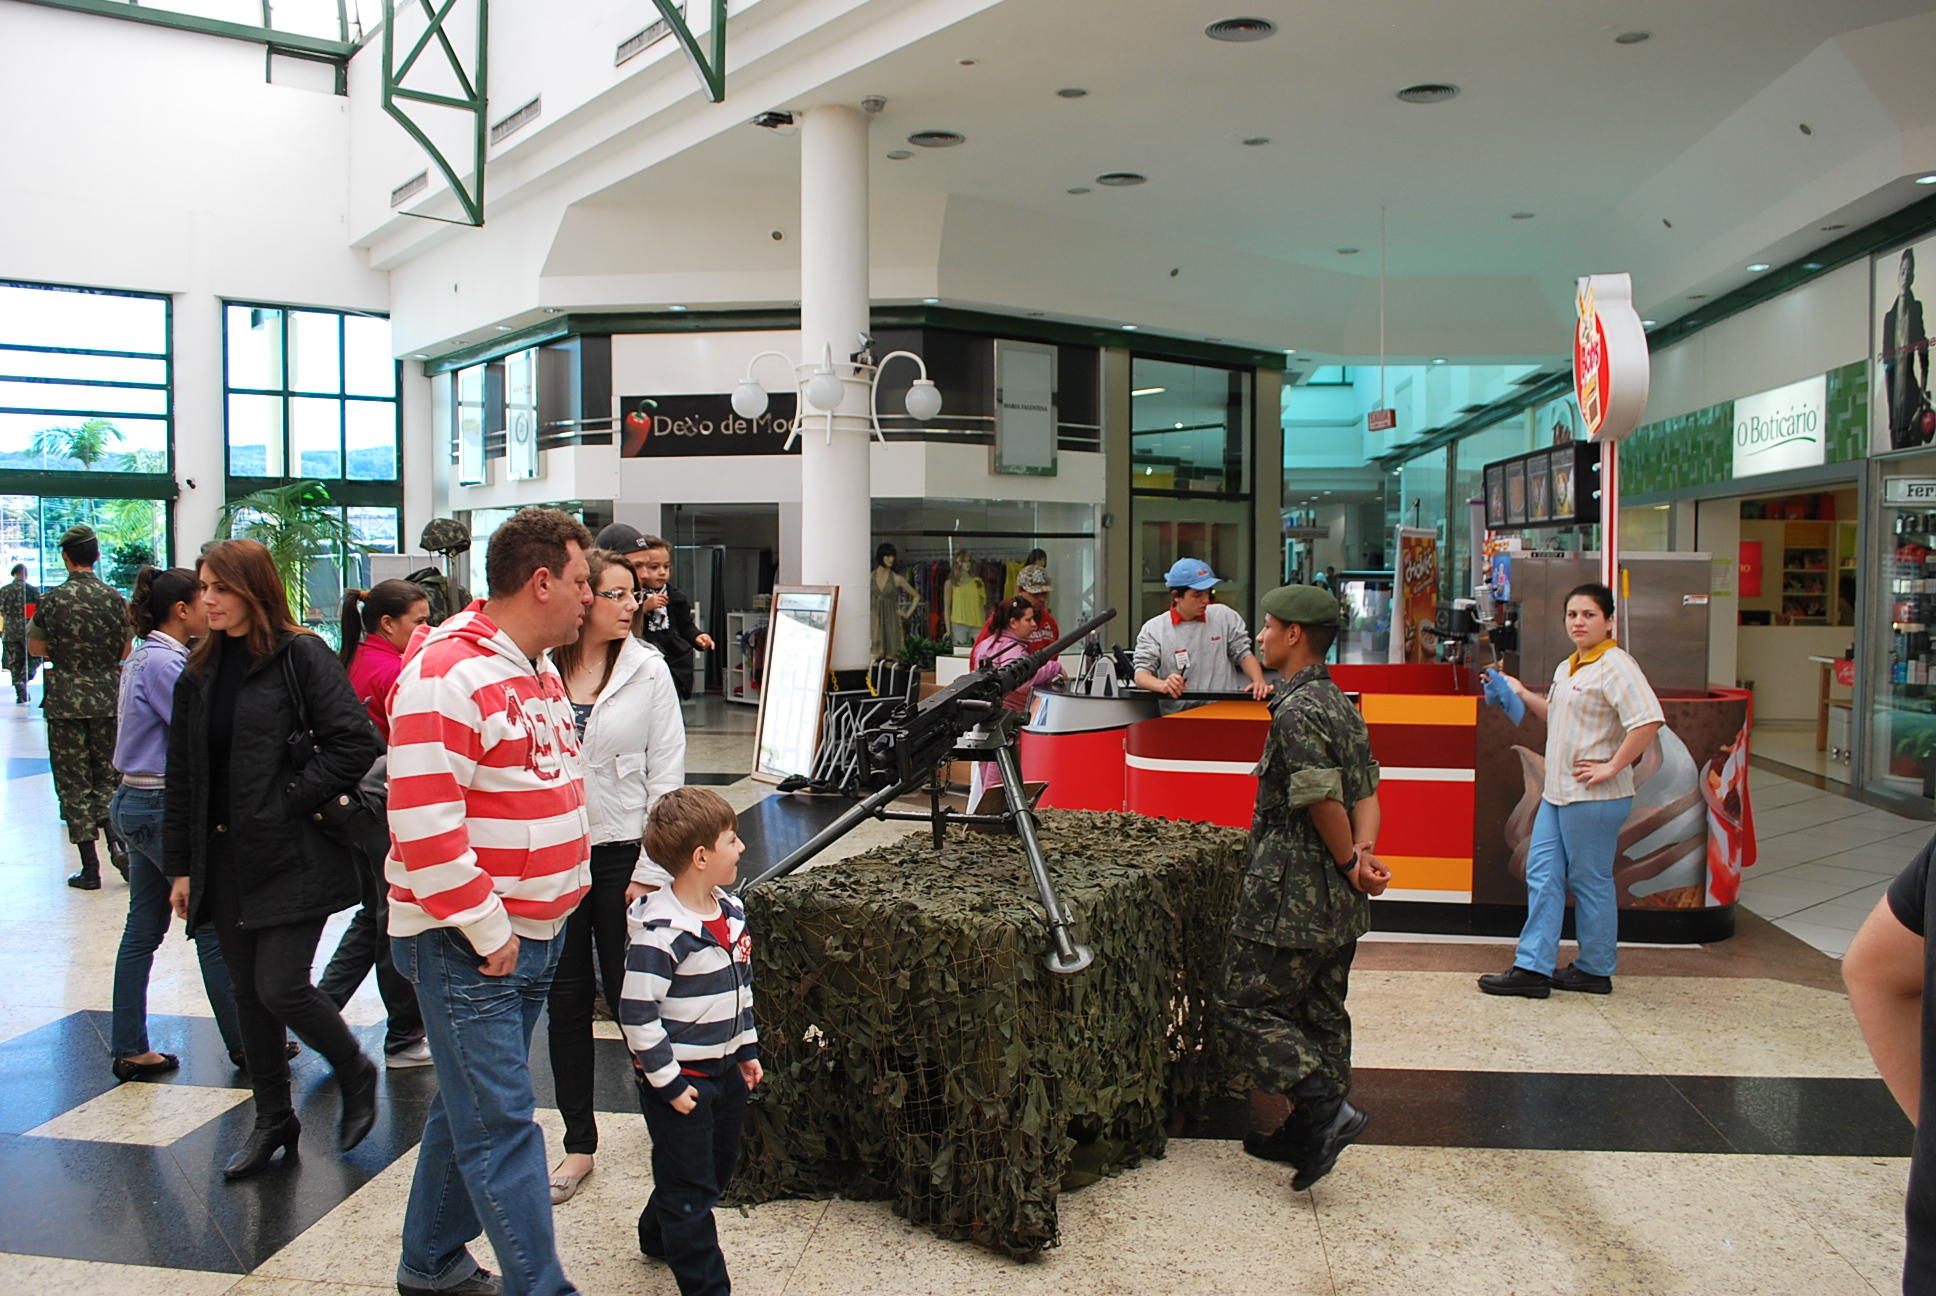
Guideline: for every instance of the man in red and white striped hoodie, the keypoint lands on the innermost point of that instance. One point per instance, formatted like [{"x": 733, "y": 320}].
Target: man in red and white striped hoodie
[{"x": 489, "y": 855}]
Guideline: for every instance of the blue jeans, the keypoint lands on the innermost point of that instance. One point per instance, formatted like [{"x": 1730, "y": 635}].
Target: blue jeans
[
  {"x": 136, "y": 815},
  {"x": 1573, "y": 849},
  {"x": 694, "y": 1155},
  {"x": 481, "y": 1165}
]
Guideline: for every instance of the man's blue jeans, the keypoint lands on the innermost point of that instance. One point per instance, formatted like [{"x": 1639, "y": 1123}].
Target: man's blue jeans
[
  {"x": 136, "y": 815},
  {"x": 481, "y": 1165},
  {"x": 1573, "y": 849}
]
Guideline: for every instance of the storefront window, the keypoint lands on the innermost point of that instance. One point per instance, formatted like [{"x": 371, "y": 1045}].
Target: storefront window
[
  {"x": 1901, "y": 661},
  {"x": 996, "y": 537},
  {"x": 1190, "y": 477}
]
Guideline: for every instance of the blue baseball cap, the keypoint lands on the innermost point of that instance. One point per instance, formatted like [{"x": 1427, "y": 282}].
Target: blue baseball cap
[{"x": 1191, "y": 573}]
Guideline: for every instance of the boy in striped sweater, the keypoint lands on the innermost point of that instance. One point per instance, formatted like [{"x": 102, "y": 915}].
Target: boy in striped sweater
[{"x": 687, "y": 1012}]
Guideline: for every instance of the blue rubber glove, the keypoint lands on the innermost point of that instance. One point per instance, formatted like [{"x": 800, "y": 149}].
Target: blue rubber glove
[{"x": 1500, "y": 693}]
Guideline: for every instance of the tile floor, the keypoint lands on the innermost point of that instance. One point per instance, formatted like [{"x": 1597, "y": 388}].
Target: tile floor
[{"x": 1714, "y": 1126}]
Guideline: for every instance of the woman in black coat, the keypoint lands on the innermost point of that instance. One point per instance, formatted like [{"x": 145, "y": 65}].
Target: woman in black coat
[{"x": 240, "y": 838}]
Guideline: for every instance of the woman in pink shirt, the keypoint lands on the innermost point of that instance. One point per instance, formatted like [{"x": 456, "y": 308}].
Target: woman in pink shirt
[
  {"x": 1012, "y": 625},
  {"x": 377, "y": 625}
]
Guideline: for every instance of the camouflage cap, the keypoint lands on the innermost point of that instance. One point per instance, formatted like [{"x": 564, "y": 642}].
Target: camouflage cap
[
  {"x": 445, "y": 536},
  {"x": 1301, "y": 605},
  {"x": 79, "y": 533}
]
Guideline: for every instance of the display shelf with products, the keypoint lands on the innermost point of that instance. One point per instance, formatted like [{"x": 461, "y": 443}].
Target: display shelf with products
[{"x": 741, "y": 682}]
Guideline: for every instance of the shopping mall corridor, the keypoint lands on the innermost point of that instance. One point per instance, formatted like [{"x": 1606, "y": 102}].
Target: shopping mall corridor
[{"x": 1713, "y": 1126}]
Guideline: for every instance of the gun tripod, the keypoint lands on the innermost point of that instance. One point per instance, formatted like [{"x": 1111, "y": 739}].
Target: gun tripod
[{"x": 992, "y": 739}]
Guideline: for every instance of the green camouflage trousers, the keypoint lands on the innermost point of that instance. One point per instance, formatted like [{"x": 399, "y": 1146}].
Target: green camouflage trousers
[
  {"x": 1285, "y": 1009},
  {"x": 82, "y": 754}
]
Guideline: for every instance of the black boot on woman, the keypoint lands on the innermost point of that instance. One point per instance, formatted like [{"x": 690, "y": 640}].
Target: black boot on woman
[
  {"x": 359, "y": 1103},
  {"x": 260, "y": 1150}
]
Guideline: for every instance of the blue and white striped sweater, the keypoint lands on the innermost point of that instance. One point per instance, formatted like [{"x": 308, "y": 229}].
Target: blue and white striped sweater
[{"x": 687, "y": 1000}]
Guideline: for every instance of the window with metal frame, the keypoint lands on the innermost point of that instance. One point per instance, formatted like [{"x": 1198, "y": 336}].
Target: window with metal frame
[{"x": 310, "y": 394}]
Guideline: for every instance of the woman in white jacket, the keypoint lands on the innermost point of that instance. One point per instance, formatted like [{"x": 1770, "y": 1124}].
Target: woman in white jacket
[{"x": 632, "y": 743}]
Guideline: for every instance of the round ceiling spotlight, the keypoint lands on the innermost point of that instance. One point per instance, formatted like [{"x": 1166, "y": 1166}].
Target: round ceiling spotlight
[
  {"x": 1632, "y": 38},
  {"x": 899, "y": 155},
  {"x": 1757, "y": 267},
  {"x": 1080, "y": 189},
  {"x": 1428, "y": 92},
  {"x": 1121, "y": 179},
  {"x": 1256, "y": 141},
  {"x": 1071, "y": 92},
  {"x": 1348, "y": 251},
  {"x": 1929, "y": 179},
  {"x": 1240, "y": 30},
  {"x": 937, "y": 139},
  {"x": 1522, "y": 215},
  {"x": 966, "y": 62}
]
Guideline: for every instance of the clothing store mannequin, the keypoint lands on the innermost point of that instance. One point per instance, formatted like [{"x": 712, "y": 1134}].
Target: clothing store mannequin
[
  {"x": 891, "y": 601},
  {"x": 967, "y": 600}
]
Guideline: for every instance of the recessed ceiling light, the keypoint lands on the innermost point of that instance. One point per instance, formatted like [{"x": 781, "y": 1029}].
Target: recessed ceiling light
[
  {"x": 1148, "y": 391},
  {"x": 1071, "y": 92},
  {"x": 899, "y": 155},
  {"x": 1522, "y": 215},
  {"x": 1757, "y": 267},
  {"x": 1428, "y": 92},
  {"x": 1632, "y": 37},
  {"x": 1928, "y": 179},
  {"x": 1239, "y": 30},
  {"x": 419, "y": 355},
  {"x": 504, "y": 328},
  {"x": 1131, "y": 327},
  {"x": 1697, "y": 296},
  {"x": 1648, "y": 323},
  {"x": 1256, "y": 141},
  {"x": 930, "y": 301},
  {"x": 937, "y": 139},
  {"x": 1179, "y": 427},
  {"x": 1081, "y": 189},
  {"x": 675, "y": 308},
  {"x": 1327, "y": 492},
  {"x": 1347, "y": 251},
  {"x": 966, "y": 62},
  {"x": 1811, "y": 265},
  {"x": 1439, "y": 360},
  {"x": 1830, "y": 229},
  {"x": 1290, "y": 350},
  {"x": 1121, "y": 179}
]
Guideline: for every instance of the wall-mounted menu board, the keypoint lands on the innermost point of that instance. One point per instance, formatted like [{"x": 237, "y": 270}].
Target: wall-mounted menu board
[
  {"x": 1554, "y": 487},
  {"x": 799, "y": 641}
]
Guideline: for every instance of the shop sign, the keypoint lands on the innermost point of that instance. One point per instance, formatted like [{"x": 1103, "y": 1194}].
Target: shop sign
[
  {"x": 659, "y": 427},
  {"x": 1909, "y": 490},
  {"x": 1610, "y": 361},
  {"x": 1781, "y": 429},
  {"x": 1025, "y": 415},
  {"x": 1381, "y": 420}
]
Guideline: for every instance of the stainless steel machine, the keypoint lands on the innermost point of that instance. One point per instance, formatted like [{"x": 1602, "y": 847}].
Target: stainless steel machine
[{"x": 1662, "y": 621}]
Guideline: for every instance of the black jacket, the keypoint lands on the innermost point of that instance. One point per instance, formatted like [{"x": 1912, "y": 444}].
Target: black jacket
[
  {"x": 289, "y": 871},
  {"x": 674, "y": 639}
]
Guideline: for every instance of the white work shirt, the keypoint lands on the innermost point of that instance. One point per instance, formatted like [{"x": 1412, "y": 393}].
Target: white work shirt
[
  {"x": 1589, "y": 713},
  {"x": 1205, "y": 653}
]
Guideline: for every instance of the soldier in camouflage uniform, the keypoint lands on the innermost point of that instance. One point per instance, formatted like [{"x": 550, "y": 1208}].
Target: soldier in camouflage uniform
[
  {"x": 15, "y": 598},
  {"x": 1303, "y": 905},
  {"x": 81, "y": 628}
]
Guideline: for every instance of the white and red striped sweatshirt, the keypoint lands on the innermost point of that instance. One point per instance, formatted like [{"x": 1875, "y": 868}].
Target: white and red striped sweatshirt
[{"x": 488, "y": 830}]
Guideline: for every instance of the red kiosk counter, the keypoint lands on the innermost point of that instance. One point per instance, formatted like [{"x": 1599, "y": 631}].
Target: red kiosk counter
[{"x": 1458, "y": 790}]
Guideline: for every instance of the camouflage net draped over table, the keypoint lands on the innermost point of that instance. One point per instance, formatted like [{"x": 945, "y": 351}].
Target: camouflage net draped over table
[{"x": 917, "y": 1049}]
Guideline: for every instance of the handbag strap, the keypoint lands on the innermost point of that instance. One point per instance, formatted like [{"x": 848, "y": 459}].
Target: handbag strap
[{"x": 294, "y": 687}]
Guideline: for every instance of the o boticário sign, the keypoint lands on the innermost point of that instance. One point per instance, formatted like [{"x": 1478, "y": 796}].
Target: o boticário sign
[
  {"x": 1610, "y": 362},
  {"x": 1781, "y": 429}
]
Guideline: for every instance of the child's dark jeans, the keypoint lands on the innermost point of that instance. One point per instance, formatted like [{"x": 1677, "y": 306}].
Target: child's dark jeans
[{"x": 693, "y": 1159}]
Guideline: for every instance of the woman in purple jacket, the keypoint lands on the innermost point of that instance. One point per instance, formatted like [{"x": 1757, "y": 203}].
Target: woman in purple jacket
[{"x": 166, "y": 613}]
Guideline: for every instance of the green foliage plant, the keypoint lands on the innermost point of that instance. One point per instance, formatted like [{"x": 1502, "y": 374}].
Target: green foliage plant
[
  {"x": 86, "y": 444},
  {"x": 297, "y": 523}
]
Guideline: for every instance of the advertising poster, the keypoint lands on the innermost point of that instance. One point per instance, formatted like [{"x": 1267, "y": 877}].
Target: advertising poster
[
  {"x": 1516, "y": 493},
  {"x": 1685, "y": 842},
  {"x": 1901, "y": 411},
  {"x": 1539, "y": 490},
  {"x": 1750, "y": 582},
  {"x": 1415, "y": 614},
  {"x": 1496, "y": 496}
]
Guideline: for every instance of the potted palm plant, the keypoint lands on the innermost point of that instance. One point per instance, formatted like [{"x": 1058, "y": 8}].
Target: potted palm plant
[{"x": 299, "y": 525}]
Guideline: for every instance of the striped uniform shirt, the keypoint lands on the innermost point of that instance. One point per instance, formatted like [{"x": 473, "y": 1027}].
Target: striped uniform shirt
[
  {"x": 687, "y": 1000},
  {"x": 1589, "y": 713},
  {"x": 488, "y": 831}
]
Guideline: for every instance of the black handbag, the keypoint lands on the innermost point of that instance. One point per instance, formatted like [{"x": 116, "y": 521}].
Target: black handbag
[{"x": 357, "y": 818}]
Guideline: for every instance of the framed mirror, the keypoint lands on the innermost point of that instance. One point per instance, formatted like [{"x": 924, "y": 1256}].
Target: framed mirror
[{"x": 793, "y": 680}]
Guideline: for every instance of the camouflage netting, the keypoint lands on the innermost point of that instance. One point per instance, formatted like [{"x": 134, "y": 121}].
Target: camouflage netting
[{"x": 917, "y": 1049}]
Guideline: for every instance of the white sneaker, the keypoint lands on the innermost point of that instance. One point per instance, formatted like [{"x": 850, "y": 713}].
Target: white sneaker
[{"x": 416, "y": 1054}]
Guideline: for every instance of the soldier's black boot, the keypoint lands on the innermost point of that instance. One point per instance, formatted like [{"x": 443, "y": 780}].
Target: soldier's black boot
[
  {"x": 1339, "y": 1130},
  {"x": 89, "y": 877}
]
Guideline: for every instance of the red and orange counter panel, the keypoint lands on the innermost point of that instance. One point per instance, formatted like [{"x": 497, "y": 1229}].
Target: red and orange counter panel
[{"x": 1457, "y": 791}]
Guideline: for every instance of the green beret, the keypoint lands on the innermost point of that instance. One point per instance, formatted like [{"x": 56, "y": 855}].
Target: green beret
[
  {"x": 1302, "y": 605},
  {"x": 79, "y": 533}
]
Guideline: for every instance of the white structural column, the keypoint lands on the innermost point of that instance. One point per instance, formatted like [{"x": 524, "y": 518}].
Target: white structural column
[
  {"x": 836, "y": 494},
  {"x": 201, "y": 451}
]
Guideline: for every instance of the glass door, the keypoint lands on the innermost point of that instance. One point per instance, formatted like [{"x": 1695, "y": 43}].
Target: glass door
[{"x": 1901, "y": 656}]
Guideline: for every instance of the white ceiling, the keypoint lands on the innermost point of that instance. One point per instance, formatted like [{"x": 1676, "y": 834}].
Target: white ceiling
[{"x": 1680, "y": 159}]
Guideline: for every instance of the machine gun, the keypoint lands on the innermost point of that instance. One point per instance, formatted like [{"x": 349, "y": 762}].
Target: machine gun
[{"x": 966, "y": 720}]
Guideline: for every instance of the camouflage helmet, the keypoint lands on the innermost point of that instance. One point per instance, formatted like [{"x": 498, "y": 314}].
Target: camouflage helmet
[{"x": 445, "y": 536}]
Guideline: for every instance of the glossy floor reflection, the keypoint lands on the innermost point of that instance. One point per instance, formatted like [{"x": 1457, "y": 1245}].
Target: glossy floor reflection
[{"x": 1714, "y": 1126}]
